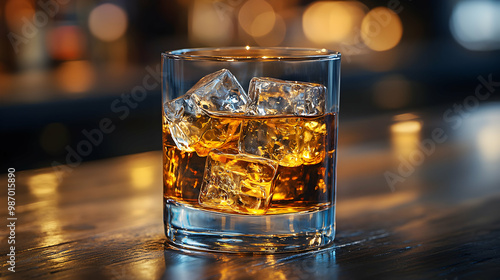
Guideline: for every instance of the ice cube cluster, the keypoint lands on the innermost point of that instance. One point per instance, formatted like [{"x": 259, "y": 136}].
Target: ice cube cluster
[{"x": 245, "y": 137}]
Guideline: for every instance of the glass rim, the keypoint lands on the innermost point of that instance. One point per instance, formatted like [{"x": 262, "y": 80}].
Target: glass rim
[{"x": 248, "y": 53}]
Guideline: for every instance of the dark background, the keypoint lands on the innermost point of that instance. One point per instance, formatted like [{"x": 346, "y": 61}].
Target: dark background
[{"x": 63, "y": 64}]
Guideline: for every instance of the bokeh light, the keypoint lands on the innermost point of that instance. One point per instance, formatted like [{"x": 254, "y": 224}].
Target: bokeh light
[
  {"x": 392, "y": 92},
  {"x": 75, "y": 76},
  {"x": 476, "y": 25},
  {"x": 381, "y": 29},
  {"x": 405, "y": 136},
  {"x": 16, "y": 11},
  {"x": 406, "y": 127},
  {"x": 43, "y": 184},
  {"x": 66, "y": 42},
  {"x": 480, "y": 127},
  {"x": 276, "y": 36},
  {"x": 329, "y": 22},
  {"x": 143, "y": 172},
  {"x": 108, "y": 22},
  {"x": 142, "y": 176},
  {"x": 257, "y": 17},
  {"x": 207, "y": 26},
  {"x": 487, "y": 139}
]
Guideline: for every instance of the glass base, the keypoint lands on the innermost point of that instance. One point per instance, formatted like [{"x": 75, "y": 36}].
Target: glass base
[{"x": 199, "y": 229}]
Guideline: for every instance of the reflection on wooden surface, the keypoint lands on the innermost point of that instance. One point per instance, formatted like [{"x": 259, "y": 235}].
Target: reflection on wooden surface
[{"x": 104, "y": 219}]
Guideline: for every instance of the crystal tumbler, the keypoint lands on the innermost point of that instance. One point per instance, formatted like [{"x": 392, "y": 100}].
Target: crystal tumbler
[{"x": 249, "y": 148}]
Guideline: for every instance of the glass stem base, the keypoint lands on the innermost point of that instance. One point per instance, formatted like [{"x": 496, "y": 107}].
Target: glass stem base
[{"x": 199, "y": 229}]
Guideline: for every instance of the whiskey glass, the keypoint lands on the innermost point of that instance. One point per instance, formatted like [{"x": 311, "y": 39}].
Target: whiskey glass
[{"x": 250, "y": 148}]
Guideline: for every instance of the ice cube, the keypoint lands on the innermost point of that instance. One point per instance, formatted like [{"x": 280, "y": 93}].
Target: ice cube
[
  {"x": 277, "y": 139},
  {"x": 278, "y": 97},
  {"x": 220, "y": 93},
  {"x": 195, "y": 119},
  {"x": 286, "y": 134},
  {"x": 291, "y": 141},
  {"x": 186, "y": 122},
  {"x": 235, "y": 182},
  {"x": 218, "y": 133},
  {"x": 313, "y": 139}
]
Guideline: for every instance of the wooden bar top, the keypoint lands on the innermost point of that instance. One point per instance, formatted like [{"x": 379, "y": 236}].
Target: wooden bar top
[{"x": 418, "y": 198}]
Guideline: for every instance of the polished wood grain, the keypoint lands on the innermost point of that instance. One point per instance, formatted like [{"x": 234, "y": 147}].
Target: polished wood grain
[{"x": 103, "y": 220}]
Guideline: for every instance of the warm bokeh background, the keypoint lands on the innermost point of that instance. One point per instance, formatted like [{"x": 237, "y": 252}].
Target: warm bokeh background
[{"x": 64, "y": 64}]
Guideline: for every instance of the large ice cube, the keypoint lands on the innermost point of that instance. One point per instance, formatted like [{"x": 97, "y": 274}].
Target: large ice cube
[
  {"x": 288, "y": 133},
  {"x": 273, "y": 138},
  {"x": 236, "y": 182},
  {"x": 195, "y": 119},
  {"x": 219, "y": 133},
  {"x": 291, "y": 141},
  {"x": 220, "y": 93},
  {"x": 278, "y": 97}
]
